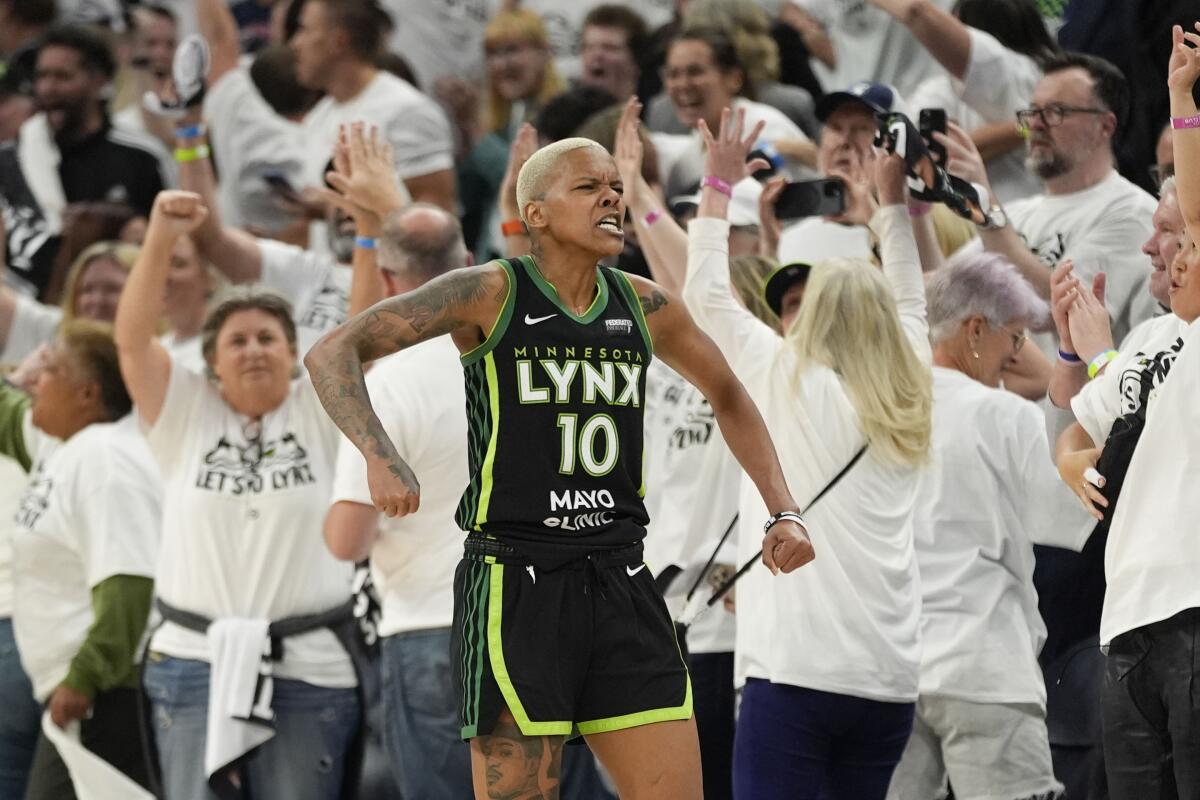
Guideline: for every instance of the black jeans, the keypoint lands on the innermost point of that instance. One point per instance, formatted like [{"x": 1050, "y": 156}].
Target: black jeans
[
  {"x": 1152, "y": 711},
  {"x": 714, "y": 699}
]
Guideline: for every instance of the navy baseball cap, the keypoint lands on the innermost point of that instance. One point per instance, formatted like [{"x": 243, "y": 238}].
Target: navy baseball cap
[
  {"x": 879, "y": 97},
  {"x": 782, "y": 279}
]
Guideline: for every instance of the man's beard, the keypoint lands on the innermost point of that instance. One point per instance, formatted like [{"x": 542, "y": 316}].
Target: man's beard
[{"x": 1049, "y": 168}]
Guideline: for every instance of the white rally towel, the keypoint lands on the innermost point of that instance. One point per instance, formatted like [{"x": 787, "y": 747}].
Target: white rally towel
[
  {"x": 93, "y": 777},
  {"x": 39, "y": 159},
  {"x": 239, "y": 693}
]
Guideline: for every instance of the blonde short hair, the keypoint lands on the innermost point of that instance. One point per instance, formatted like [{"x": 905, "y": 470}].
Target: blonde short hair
[{"x": 542, "y": 167}]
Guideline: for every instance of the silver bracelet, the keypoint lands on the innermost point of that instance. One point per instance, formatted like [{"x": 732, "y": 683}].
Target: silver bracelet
[{"x": 782, "y": 515}]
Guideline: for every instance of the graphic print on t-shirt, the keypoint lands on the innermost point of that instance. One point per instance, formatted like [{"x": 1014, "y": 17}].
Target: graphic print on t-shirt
[
  {"x": 36, "y": 498},
  {"x": 1155, "y": 368},
  {"x": 237, "y": 468},
  {"x": 1049, "y": 250},
  {"x": 327, "y": 309},
  {"x": 695, "y": 429}
]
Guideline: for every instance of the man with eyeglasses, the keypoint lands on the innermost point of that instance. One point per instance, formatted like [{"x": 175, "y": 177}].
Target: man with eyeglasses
[{"x": 1088, "y": 213}]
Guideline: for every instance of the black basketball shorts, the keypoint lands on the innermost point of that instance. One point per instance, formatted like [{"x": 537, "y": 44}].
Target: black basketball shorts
[{"x": 585, "y": 648}]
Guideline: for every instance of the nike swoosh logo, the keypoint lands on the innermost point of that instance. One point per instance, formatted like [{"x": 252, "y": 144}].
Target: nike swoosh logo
[
  {"x": 631, "y": 572},
  {"x": 535, "y": 320}
]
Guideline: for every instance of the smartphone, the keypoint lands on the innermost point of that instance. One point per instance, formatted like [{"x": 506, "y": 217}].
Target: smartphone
[
  {"x": 279, "y": 183},
  {"x": 821, "y": 198},
  {"x": 931, "y": 120}
]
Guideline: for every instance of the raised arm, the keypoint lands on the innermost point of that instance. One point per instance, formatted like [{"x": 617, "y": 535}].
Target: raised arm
[
  {"x": 663, "y": 242},
  {"x": 145, "y": 365},
  {"x": 942, "y": 34},
  {"x": 215, "y": 22},
  {"x": 524, "y": 145},
  {"x": 463, "y": 303},
  {"x": 1183, "y": 71},
  {"x": 691, "y": 353}
]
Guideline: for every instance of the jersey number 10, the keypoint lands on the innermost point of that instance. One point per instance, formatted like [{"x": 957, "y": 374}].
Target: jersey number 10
[{"x": 579, "y": 444}]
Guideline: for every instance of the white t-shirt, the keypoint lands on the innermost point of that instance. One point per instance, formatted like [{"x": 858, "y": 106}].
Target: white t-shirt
[
  {"x": 990, "y": 493},
  {"x": 12, "y": 485},
  {"x": 92, "y": 510},
  {"x": 418, "y": 395},
  {"x": 1116, "y": 391},
  {"x": 682, "y": 166},
  {"x": 692, "y": 485},
  {"x": 999, "y": 82},
  {"x": 242, "y": 521},
  {"x": 314, "y": 283},
  {"x": 413, "y": 123},
  {"x": 188, "y": 353},
  {"x": 441, "y": 37},
  {"x": 848, "y": 622},
  {"x": 1101, "y": 229},
  {"x": 564, "y": 24},
  {"x": 1006, "y": 173},
  {"x": 33, "y": 324},
  {"x": 1153, "y": 553},
  {"x": 870, "y": 45},
  {"x": 248, "y": 140}
]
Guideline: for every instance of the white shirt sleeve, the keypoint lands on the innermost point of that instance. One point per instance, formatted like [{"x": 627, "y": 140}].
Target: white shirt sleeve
[
  {"x": 186, "y": 393},
  {"x": 33, "y": 324},
  {"x": 123, "y": 519},
  {"x": 1098, "y": 404},
  {"x": 902, "y": 268},
  {"x": 293, "y": 273},
  {"x": 708, "y": 294},
  {"x": 999, "y": 81},
  {"x": 421, "y": 139},
  {"x": 1052, "y": 515}
]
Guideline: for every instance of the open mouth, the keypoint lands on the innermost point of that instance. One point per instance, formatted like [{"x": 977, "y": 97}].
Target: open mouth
[{"x": 610, "y": 223}]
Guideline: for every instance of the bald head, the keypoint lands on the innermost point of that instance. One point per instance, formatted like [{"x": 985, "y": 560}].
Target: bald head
[
  {"x": 421, "y": 242},
  {"x": 544, "y": 166}
]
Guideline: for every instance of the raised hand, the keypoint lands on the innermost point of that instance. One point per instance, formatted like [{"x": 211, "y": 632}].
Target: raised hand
[
  {"x": 627, "y": 149},
  {"x": 1087, "y": 317},
  {"x": 523, "y": 146},
  {"x": 177, "y": 213},
  {"x": 725, "y": 155},
  {"x": 1062, "y": 295},
  {"x": 962, "y": 156},
  {"x": 769, "y": 226},
  {"x": 861, "y": 202},
  {"x": 1183, "y": 68},
  {"x": 364, "y": 174}
]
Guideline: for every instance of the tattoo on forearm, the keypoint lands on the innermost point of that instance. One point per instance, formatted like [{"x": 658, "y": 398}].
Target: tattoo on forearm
[
  {"x": 653, "y": 303},
  {"x": 336, "y": 364}
]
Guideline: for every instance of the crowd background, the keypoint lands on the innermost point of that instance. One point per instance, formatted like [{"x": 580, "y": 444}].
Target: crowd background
[{"x": 960, "y": 630}]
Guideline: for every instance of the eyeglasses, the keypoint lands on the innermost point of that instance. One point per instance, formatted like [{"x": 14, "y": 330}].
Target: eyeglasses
[
  {"x": 1053, "y": 114},
  {"x": 1018, "y": 341}
]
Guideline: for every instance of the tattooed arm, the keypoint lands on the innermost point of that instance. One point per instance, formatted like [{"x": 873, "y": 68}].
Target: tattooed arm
[
  {"x": 688, "y": 350},
  {"x": 463, "y": 303}
]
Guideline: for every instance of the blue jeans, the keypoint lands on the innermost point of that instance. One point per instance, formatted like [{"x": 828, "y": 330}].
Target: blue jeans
[
  {"x": 794, "y": 743},
  {"x": 20, "y": 716},
  {"x": 420, "y": 717},
  {"x": 314, "y": 728}
]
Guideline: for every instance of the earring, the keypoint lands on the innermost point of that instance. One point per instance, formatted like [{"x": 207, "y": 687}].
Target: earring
[{"x": 975, "y": 354}]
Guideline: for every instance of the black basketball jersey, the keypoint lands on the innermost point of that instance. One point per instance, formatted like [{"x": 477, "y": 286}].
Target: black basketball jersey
[{"x": 554, "y": 416}]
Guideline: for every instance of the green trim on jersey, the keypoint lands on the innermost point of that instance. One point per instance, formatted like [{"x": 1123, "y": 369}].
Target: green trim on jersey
[
  {"x": 625, "y": 286},
  {"x": 479, "y": 438},
  {"x": 503, "y": 680},
  {"x": 641, "y": 717},
  {"x": 489, "y": 459},
  {"x": 594, "y": 310},
  {"x": 502, "y": 319}
]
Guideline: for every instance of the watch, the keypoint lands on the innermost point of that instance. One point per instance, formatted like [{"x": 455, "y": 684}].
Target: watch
[{"x": 994, "y": 219}]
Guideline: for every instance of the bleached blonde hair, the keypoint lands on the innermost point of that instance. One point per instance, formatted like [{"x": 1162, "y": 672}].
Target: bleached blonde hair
[
  {"x": 542, "y": 168},
  {"x": 848, "y": 322}
]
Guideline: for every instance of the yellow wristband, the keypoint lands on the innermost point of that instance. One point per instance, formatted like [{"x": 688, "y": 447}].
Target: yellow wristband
[{"x": 185, "y": 155}]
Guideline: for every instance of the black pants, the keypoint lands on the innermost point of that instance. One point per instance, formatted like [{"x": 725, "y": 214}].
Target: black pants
[
  {"x": 1152, "y": 711},
  {"x": 713, "y": 703},
  {"x": 113, "y": 732}
]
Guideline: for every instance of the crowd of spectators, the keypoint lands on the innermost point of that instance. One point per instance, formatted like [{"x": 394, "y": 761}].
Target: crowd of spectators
[{"x": 193, "y": 193}]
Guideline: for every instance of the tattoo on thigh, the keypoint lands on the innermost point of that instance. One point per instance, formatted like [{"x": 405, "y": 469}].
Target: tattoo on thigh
[{"x": 511, "y": 766}]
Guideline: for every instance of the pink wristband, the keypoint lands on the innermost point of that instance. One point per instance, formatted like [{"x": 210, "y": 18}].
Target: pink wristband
[
  {"x": 652, "y": 217},
  {"x": 713, "y": 182},
  {"x": 1182, "y": 123}
]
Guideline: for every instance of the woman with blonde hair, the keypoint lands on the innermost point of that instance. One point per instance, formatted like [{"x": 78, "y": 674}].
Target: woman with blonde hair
[
  {"x": 829, "y": 658},
  {"x": 521, "y": 75}
]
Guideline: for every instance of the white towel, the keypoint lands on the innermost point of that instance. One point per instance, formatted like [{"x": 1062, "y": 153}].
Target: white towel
[
  {"x": 39, "y": 159},
  {"x": 239, "y": 693},
  {"x": 93, "y": 777}
]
